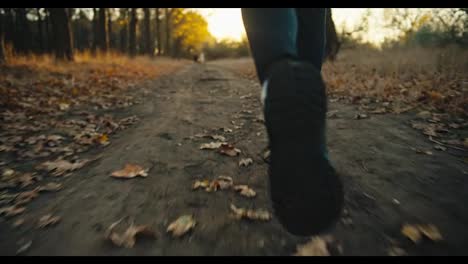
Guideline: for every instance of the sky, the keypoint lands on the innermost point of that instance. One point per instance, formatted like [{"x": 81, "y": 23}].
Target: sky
[{"x": 227, "y": 22}]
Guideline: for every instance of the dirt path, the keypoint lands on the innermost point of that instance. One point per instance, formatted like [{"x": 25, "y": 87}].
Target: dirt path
[{"x": 387, "y": 183}]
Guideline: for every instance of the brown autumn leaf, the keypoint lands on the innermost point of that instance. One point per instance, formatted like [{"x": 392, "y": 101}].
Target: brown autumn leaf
[
  {"x": 244, "y": 190},
  {"x": 26, "y": 179},
  {"x": 242, "y": 213},
  {"x": 60, "y": 166},
  {"x": 396, "y": 251},
  {"x": 245, "y": 162},
  {"x": 200, "y": 184},
  {"x": 48, "y": 220},
  {"x": 420, "y": 151},
  {"x": 130, "y": 171},
  {"x": 181, "y": 226},
  {"x": 26, "y": 197},
  {"x": 211, "y": 145},
  {"x": 103, "y": 140},
  {"x": 128, "y": 238},
  {"x": 12, "y": 210},
  {"x": 416, "y": 232},
  {"x": 225, "y": 182},
  {"x": 50, "y": 187},
  {"x": 317, "y": 246},
  {"x": 229, "y": 150}
]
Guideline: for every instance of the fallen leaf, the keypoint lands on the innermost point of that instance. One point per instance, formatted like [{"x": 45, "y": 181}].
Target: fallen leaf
[
  {"x": 416, "y": 232},
  {"x": 26, "y": 179},
  {"x": 64, "y": 106},
  {"x": 229, "y": 150},
  {"x": 26, "y": 197},
  {"x": 48, "y": 220},
  {"x": 211, "y": 145},
  {"x": 128, "y": 238},
  {"x": 225, "y": 182},
  {"x": 51, "y": 187},
  {"x": 245, "y": 162},
  {"x": 12, "y": 210},
  {"x": 378, "y": 111},
  {"x": 360, "y": 116},
  {"x": 181, "y": 226},
  {"x": 18, "y": 222},
  {"x": 60, "y": 166},
  {"x": 431, "y": 232},
  {"x": 315, "y": 247},
  {"x": 439, "y": 147},
  {"x": 24, "y": 247},
  {"x": 420, "y": 151},
  {"x": 130, "y": 171},
  {"x": 103, "y": 140},
  {"x": 245, "y": 191},
  {"x": 396, "y": 251},
  {"x": 200, "y": 184},
  {"x": 8, "y": 173},
  {"x": 241, "y": 213},
  {"x": 218, "y": 137},
  {"x": 424, "y": 114}
]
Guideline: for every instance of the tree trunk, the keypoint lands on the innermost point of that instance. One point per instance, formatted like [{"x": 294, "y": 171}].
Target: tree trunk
[
  {"x": 332, "y": 45},
  {"x": 132, "y": 32},
  {"x": 47, "y": 28},
  {"x": 95, "y": 30},
  {"x": 62, "y": 34},
  {"x": 158, "y": 32},
  {"x": 23, "y": 34},
  {"x": 167, "y": 48},
  {"x": 109, "y": 28},
  {"x": 2, "y": 39},
  {"x": 149, "y": 49},
  {"x": 124, "y": 30},
  {"x": 103, "y": 37},
  {"x": 40, "y": 30}
]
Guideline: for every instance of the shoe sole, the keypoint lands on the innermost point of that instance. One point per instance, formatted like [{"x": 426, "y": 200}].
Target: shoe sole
[{"x": 306, "y": 192}]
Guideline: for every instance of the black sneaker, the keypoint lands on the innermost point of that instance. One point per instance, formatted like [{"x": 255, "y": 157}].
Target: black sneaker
[{"x": 306, "y": 192}]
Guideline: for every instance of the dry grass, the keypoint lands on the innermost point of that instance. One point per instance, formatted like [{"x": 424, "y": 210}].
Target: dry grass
[{"x": 432, "y": 78}]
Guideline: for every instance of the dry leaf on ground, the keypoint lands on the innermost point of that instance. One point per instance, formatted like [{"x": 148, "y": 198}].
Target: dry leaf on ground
[
  {"x": 260, "y": 214},
  {"x": 229, "y": 150},
  {"x": 416, "y": 232},
  {"x": 128, "y": 238},
  {"x": 245, "y": 191},
  {"x": 181, "y": 226},
  {"x": 59, "y": 167},
  {"x": 130, "y": 171},
  {"x": 211, "y": 145},
  {"x": 317, "y": 246},
  {"x": 50, "y": 187},
  {"x": 245, "y": 162},
  {"x": 26, "y": 197},
  {"x": 48, "y": 220},
  {"x": 11, "y": 210}
]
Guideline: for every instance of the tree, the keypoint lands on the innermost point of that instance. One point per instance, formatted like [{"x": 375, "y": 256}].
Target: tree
[
  {"x": 190, "y": 32},
  {"x": 40, "y": 30},
  {"x": 22, "y": 40},
  {"x": 2, "y": 36},
  {"x": 62, "y": 34},
  {"x": 103, "y": 37},
  {"x": 167, "y": 14},
  {"x": 123, "y": 23},
  {"x": 149, "y": 49},
  {"x": 132, "y": 32},
  {"x": 158, "y": 32}
]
